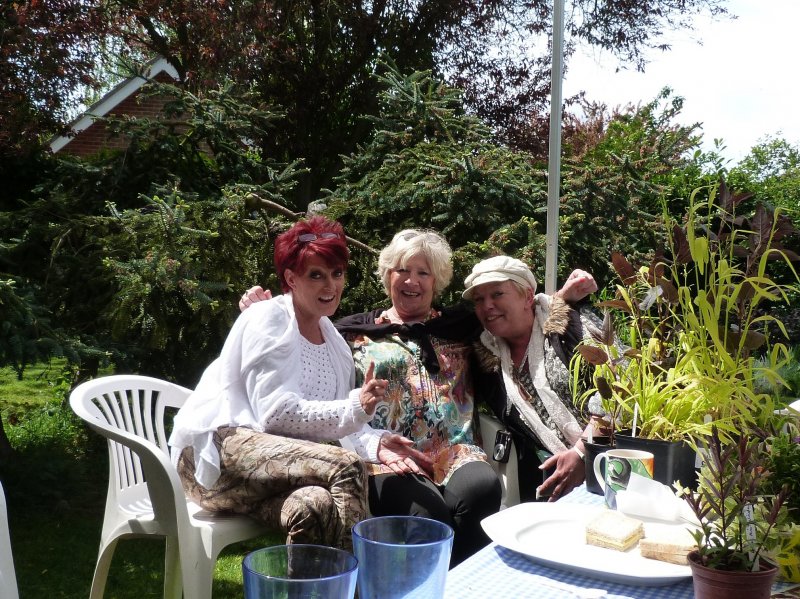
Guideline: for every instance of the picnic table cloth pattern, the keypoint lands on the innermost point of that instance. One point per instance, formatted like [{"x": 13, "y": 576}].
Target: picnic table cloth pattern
[
  {"x": 499, "y": 573},
  {"x": 511, "y": 575}
]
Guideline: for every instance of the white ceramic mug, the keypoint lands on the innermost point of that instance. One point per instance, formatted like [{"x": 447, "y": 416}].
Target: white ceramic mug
[{"x": 620, "y": 463}]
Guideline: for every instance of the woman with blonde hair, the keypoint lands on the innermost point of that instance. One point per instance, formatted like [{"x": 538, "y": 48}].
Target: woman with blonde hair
[{"x": 439, "y": 471}]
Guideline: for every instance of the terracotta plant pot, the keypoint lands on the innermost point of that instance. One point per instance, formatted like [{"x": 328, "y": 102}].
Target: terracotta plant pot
[{"x": 726, "y": 584}]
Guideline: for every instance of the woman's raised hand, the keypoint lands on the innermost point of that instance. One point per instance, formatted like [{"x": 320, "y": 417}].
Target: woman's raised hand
[
  {"x": 253, "y": 296},
  {"x": 373, "y": 390},
  {"x": 399, "y": 455},
  {"x": 578, "y": 285}
]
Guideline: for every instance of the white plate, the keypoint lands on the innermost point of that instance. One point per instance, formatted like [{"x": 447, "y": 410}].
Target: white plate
[{"x": 554, "y": 534}]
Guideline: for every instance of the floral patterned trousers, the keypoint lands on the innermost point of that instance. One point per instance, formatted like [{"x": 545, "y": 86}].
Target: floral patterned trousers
[{"x": 313, "y": 492}]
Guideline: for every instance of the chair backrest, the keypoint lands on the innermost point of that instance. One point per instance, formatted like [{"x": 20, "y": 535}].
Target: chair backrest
[
  {"x": 8, "y": 578},
  {"x": 130, "y": 411}
]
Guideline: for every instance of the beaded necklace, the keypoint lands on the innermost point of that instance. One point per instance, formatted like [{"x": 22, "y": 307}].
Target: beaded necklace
[{"x": 427, "y": 386}]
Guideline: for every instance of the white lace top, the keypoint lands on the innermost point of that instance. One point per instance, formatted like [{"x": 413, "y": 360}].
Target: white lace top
[{"x": 317, "y": 377}]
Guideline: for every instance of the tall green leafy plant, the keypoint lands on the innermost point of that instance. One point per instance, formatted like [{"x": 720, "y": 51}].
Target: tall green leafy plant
[
  {"x": 142, "y": 252},
  {"x": 431, "y": 164},
  {"x": 694, "y": 317},
  {"x": 619, "y": 168}
]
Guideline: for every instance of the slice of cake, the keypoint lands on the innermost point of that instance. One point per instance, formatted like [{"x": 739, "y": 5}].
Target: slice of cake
[
  {"x": 614, "y": 530},
  {"x": 671, "y": 546}
]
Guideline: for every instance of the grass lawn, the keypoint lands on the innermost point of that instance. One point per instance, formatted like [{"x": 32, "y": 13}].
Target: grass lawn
[{"x": 55, "y": 487}]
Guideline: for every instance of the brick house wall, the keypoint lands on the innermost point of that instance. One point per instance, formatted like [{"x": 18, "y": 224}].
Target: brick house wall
[
  {"x": 91, "y": 136},
  {"x": 96, "y": 137}
]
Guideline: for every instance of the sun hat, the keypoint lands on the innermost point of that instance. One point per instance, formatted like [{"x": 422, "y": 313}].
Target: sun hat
[{"x": 496, "y": 270}]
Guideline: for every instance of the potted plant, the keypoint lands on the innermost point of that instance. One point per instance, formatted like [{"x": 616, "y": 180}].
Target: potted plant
[
  {"x": 691, "y": 320},
  {"x": 737, "y": 523}
]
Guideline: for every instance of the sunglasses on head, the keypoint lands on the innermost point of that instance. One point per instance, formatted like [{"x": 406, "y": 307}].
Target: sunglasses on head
[
  {"x": 307, "y": 237},
  {"x": 427, "y": 235}
]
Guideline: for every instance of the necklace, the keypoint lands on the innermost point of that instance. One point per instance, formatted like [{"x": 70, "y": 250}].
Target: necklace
[
  {"x": 427, "y": 386},
  {"x": 393, "y": 317}
]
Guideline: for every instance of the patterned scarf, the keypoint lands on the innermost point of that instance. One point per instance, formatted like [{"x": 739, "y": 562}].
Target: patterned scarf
[{"x": 559, "y": 413}]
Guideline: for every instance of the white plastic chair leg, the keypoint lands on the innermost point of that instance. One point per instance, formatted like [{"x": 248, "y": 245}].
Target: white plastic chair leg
[
  {"x": 173, "y": 585},
  {"x": 101, "y": 570},
  {"x": 8, "y": 576},
  {"x": 198, "y": 580}
]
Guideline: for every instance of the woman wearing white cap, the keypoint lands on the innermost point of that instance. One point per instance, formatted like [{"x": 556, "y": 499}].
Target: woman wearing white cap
[{"x": 525, "y": 352}]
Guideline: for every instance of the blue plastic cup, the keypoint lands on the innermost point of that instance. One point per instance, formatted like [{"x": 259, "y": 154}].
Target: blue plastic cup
[
  {"x": 299, "y": 571},
  {"x": 402, "y": 557}
]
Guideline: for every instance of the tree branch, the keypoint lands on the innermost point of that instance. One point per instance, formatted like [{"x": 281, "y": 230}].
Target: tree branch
[{"x": 259, "y": 202}]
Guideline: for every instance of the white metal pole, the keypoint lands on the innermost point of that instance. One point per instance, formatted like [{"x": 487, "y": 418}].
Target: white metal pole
[{"x": 554, "y": 159}]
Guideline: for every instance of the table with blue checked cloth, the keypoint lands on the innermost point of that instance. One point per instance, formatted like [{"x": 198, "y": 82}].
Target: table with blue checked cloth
[{"x": 499, "y": 573}]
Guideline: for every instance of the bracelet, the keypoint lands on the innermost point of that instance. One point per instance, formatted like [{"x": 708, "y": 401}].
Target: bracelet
[{"x": 578, "y": 451}]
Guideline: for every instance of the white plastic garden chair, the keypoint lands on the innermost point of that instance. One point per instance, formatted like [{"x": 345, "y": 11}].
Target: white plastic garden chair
[
  {"x": 145, "y": 496},
  {"x": 508, "y": 472},
  {"x": 8, "y": 579}
]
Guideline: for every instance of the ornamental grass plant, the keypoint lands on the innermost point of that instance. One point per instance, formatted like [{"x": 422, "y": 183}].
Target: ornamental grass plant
[{"x": 695, "y": 319}]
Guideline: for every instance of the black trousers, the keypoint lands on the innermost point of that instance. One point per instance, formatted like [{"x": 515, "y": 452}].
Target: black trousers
[
  {"x": 529, "y": 457},
  {"x": 472, "y": 493}
]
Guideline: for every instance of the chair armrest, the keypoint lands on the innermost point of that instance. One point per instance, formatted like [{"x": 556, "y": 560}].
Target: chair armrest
[{"x": 163, "y": 482}]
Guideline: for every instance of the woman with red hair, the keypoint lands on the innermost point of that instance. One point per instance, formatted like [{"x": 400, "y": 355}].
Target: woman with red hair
[{"x": 247, "y": 439}]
